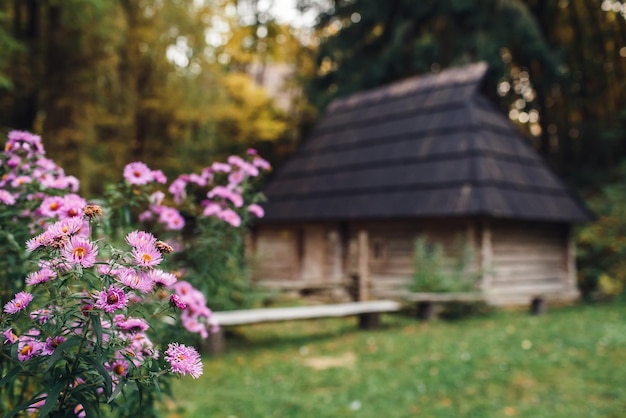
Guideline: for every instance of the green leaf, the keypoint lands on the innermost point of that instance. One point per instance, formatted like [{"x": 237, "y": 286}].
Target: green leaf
[
  {"x": 97, "y": 328},
  {"x": 108, "y": 383},
  {"x": 61, "y": 349},
  {"x": 10, "y": 375},
  {"x": 118, "y": 389},
  {"x": 52, "y": 397},
  {"x": 24, "y": 406}
]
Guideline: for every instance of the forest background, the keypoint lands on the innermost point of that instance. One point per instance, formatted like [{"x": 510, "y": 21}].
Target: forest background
[{"x": 179, "y": 83}]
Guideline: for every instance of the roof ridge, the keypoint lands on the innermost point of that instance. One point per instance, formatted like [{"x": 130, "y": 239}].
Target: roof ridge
[{"x": 459, "y": 75}]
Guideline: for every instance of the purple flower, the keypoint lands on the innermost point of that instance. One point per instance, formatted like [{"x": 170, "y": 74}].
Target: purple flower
[
  {"x": 138, "y": 173},
  {"x": 177, "y": 302},
  {"x": 211, "y": 209},
  {"x": 256, "y": 210},
  {"x": 140, "y": 238},
  {"x": 147, "y": 256},
  {"x": 119, "y": 367},
  {"x": 230, "y": 216},
  {"x": 81, "y": 251},
  {"x": 226, "y": 193},
  {"x": 73, "y": 205},
  {"x": 51, "y": 344},
  {"x": 132, "y": 325},
  {"x": 220, "y": 167},
  {"x": 111, "y": 299},
  {"x": 41, "y": 276},
  {"x": 184, "y": 360},
  {"x": 159, "y": 177},
  {"x": 9, "y": 336},
  {"x": 19, "y": 303},
  {"x": 28, "y": 347},
  {"x": 171, "y": 218},
  {"x": 40, "y": 240},
  {"x": 177, "y": 188},
  {"x": 7, "y": 198},
  {"x": 136, "y": 280},
  {"x": 161, "y": 277}
]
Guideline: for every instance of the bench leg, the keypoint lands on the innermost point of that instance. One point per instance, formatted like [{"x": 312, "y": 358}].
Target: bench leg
[
  {"x": 369, "y": 320},
  {"x": 215, "y": 343},
  {"x": 537, "y": 306},
  {"x": 425, "y": 311}
]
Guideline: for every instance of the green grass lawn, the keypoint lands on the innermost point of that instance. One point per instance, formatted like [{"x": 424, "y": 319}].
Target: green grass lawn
[{"x": 567, "y": 363}]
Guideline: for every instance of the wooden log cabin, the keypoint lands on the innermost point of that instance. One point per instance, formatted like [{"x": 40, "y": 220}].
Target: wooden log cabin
[{"x": 432, "y": 156}]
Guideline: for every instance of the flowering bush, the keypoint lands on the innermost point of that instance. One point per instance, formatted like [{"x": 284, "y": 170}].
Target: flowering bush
[
  {"x": 204, "y": 215},
  {"x": 32, "y": 188},
  {"x": 80, "y": 334}
]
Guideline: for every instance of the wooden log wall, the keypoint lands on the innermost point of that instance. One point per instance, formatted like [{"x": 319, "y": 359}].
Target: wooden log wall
[
  {"x": 392, "y": 246},
  {"x": 528, "y": 260}
]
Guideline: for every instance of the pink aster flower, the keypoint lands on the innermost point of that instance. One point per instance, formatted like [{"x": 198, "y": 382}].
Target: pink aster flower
[
  {"x": 18, "y": 303},
  {"x": 41, "y": 315},
  {"x": 81, "y": 251},
  {"x": 177, "y": 189},
  {"x": 51, "y": 206},
  {"x": 211, "y": 209},
  {"x": 140, "y": 238},
  {"x": 73, "y": 205},
  {"x": 220, "y": 167},
  {"x": 119, "y": 367},
  {"x": 79, "y": 411},
  {"x": 236, "y": 177},
  {"x": 41, "y": 276},
  {"x": 256, "y": 210},
  {"x": 40, "y": 240},
  {"x": 132, "y": 325},
  {"x": 226, "y": 193},
  {"x": 28, "y": 347},
  {"x": 7, "y": 198},
  {"x": 68, "y": 226},
  {"x": 9, "y": 336},
  {"x": 184, "y": 360},
  {"x": 111, "y": 299},
  {"x": 136, "y": 280},
  {"x": 171, "y": 218},
  {"x": 34, "y": 407},
  {"x": 160, "y": 277},
  {"x": 159, "y": 177},
  {"x": 138, "y": 173},
  {"x": 177, "y": 302},
  {"x": 147, "y": 256},
  {"x": 51, "y": 344},
  {"x": 230, "y": 216},
  {"x": 192, "y": 324},
  {"x": 261, "y": 163}
]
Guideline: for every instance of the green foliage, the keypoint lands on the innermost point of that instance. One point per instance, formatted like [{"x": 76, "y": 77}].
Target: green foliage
[
  {"x": 435, "y": 271},
  {"x": 602, "y": 244}
]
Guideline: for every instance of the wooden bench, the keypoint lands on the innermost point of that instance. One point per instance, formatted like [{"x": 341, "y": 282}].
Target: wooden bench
[
  {"x": 427, "y": 301},
  {"x": 367, "y": 311}
]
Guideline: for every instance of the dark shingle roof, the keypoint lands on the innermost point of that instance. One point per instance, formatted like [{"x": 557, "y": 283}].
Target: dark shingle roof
[{"x": 429, "y": 146}]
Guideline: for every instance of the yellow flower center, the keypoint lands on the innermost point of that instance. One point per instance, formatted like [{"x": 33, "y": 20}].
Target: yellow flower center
[
  {"x": 79, "y": 253},
  {"x": 54, "y": 206},
  {"x": 146, "y": 258},
  {"x": 112, "y": 298},
  {"x": 119, "y": 369}
]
